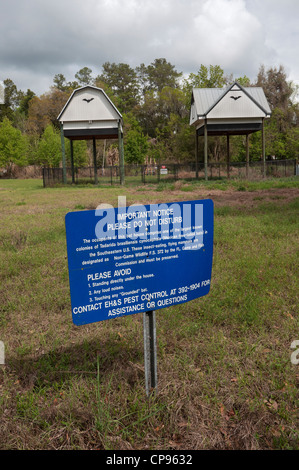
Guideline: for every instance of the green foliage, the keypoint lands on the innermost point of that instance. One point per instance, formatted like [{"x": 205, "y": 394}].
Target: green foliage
[
  {"x": 148, "y": 113},
  {"x": 172, "y": 101},
  {"x": 122, "y": 80},
  {"x": 84, "y": 76},
  {"x": 24, "y": 102},
  {"x": 136, "y": 143},
  {"x": 13, "y": 145},
  {"x": 156, "y": 102},
  {"x": 157, "y": 75},
  {"x": 292, "y": 142},
  {"x": 11, "y": 100},
  {"x": 277, "y": 88},
  {"x": 80, "y": 154},
  {"x": 49, "y": 147},
  {"x": 205, "y": 78},
  {"x": 281, "y": 130},
  {"x": 243, "y": 81},
  {"x": 60, "y": 82}
]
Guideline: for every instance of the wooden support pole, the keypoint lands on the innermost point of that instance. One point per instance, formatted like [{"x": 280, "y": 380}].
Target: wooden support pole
[
  {"x": 121, "y": 154},
  {"x": 227, "y": 156},
  {"x": 63, "y": 154},
  {"x": 196, "y": 154},
  {"x": 95, "y": 161},
  {"x": 247, "y": 155},
  {"x": 72, "y": 161},
  {"x": 104, "y": 155},
  {"x": 206, "y": 150},
  {"x": 263, "y": 149}
]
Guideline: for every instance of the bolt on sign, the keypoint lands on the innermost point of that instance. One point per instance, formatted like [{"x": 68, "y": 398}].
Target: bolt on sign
[{"x": 140, "y": 258}]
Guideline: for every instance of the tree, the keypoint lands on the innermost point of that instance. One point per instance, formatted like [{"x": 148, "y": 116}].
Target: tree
[
  {"x": 71, "y": 86},
  {"x": 212, "y": 77},
  {"x": 12, "y": 98},
  {"x": 24, "y": 102},
  {"x": 243, "y": 81},
  {"x": 280, "y": 94},
  {"x": 13, "y": 146},
  {"x": 158, "y": 75},
  {"x": 135, "y": 142},
  {"x": 59, "y": 81},
  {"x": 177, "y": 138},
  {"x": 157, "y": 108},
  {"x": 292, "y": 143},
  {"x": 142, "y": 76},
  {"x": 20, "y": 114},
  {"x": 80, "y": 154},
  {"x": 122, "y": 80},
  {"x": 49, "y": 147},
  {"x": 172, "y": 123},
  {"x": 172, "y": 101},
  {"x": 62, "y": 85},
  {"x": 84, "y": 76},
  {"x": 277, "y": 89},
  {"x": 44, "y": 110},
  {"x": 108, "y": 90},
  {"x": 148, "y": 114}
]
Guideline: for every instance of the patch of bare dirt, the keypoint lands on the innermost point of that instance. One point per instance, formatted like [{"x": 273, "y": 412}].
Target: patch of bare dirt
[
  {"x": 251, "y": 198},
  {"x": 230, "y": 197}
]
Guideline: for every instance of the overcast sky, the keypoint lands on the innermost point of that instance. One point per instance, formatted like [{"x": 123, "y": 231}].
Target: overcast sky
[{"x": 41, "y": 38}]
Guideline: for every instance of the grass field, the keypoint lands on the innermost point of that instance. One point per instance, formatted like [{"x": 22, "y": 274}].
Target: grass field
[{"x": 225, "y": 375}]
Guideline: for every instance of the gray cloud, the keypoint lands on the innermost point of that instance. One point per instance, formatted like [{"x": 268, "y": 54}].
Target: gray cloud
[{"x": 41, "y": 38}]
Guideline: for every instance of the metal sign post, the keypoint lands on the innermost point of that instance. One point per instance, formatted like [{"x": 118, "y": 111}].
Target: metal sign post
[
  {"x": 139, "y": 259},
  {"x": 150, "y": 351}
]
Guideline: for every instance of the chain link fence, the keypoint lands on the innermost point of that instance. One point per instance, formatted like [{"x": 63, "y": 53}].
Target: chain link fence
[{"x": 137, "y": 174}]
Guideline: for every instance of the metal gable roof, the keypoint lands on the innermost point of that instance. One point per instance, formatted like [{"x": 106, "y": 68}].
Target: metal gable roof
[
  {"x": 206, "y": 99},
  {"x": 257, "y": 93}
]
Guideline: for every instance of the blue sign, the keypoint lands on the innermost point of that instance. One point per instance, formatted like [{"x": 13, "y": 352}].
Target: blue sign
[{"x": 134, "y": 259}]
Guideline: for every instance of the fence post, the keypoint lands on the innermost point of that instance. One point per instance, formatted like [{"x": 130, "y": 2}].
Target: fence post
[{"x": 142, "y": 175}]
